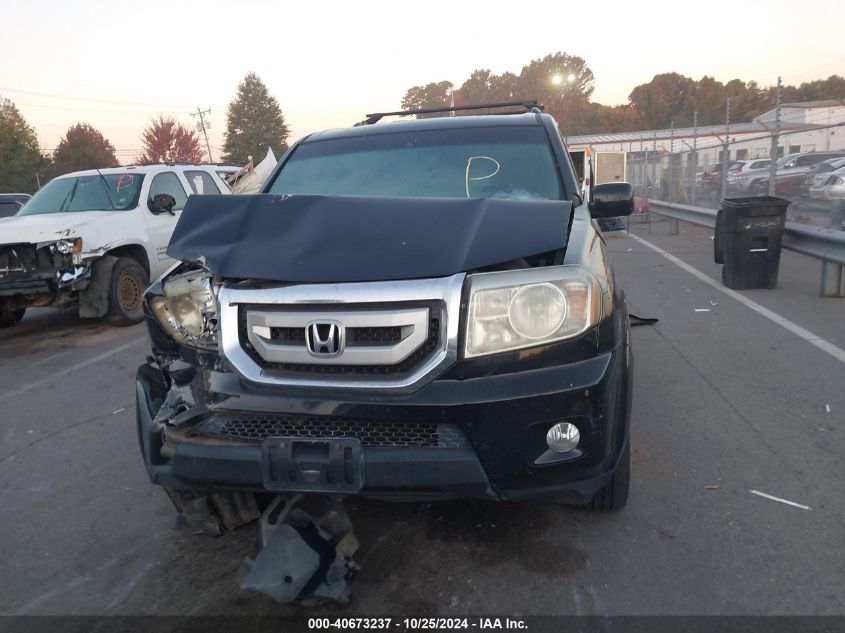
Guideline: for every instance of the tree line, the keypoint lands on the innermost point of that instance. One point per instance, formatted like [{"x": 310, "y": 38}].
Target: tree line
[
  {"x": 564, "y": 84},
  {"x": 254, "y": 123}
]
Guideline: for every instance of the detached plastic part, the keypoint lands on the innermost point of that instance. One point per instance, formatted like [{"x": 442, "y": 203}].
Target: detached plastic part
[{"x": 306, "y": 545}]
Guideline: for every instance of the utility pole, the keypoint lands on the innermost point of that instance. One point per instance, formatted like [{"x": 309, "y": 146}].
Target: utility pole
[
  {"x": 204, "y": 127},
  {"x": 726, "y": 151},
  {"x": 694, "y": 161},
  {"x": 773, "y": 168},
  {"x": 642, "y": 168}
]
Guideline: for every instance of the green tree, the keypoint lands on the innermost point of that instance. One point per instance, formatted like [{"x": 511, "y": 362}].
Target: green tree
[
  {"x": 663, "y": 99},
  {"x": 563, "y": 83},
  {"x": 433, "y": 95},
  {"x": 254, "y": 123},
  {"x": 82, "y": 147},
  {"x": 485, "y": 87},
  {"x": 19, "y": 154},
  {"x": 557, "y": 79},
  {"x": 822, "y": 89}
]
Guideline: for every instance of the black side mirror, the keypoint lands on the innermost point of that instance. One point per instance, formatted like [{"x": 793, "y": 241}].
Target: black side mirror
[
  {"x": 612, "y": 199},
  {"x": 162, "y": 203}
]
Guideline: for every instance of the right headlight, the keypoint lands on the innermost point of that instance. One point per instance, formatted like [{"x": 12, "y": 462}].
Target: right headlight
[
  {"x": 187, "y": 309},
  {"x": 521, "y": 308}
]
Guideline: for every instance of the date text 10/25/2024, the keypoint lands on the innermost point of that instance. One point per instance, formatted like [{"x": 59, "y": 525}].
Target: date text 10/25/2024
[{"x": 418, "y": 623}]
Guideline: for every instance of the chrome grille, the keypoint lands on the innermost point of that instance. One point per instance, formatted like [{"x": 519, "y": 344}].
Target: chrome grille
[
  {"x": 390, "y": 334},
  {"x": 429, "y": 347},
  {"x": 257, "y": 427}
]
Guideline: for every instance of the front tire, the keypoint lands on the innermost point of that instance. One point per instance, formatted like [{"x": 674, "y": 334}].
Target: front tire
[
  {"x": 126, "y": 292},
  {"x": 614, "y": 495}
]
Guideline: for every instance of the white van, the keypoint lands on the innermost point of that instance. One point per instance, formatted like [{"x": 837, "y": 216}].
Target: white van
[{"x": 96, "y": 239}]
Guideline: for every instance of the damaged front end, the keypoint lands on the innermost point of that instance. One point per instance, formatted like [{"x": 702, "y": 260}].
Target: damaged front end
[
  {"x": 374, "y": 347},
  {"x": 305, "y": 543},
  {"x": 42, "y": 274}
]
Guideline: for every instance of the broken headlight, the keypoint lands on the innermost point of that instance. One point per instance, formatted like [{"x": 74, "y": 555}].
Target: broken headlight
[
  {"x": 522, "y": 308},
  {"x": 66, "y": 247},
  {"x": 187, "y": 308}
]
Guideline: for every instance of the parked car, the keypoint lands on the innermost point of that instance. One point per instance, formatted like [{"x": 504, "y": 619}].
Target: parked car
[
  {"x": 791, "y": 173},
  {"x": 11, "y": 203},
  {"x": 820, "y": 174},
  {"x": 712, "y": 176},
  {"x": 743, "y": 179},
  {"x": 419, "y": 310},
  {"x": 829, "y": 186},
  {"x": 95, "y": 239}
]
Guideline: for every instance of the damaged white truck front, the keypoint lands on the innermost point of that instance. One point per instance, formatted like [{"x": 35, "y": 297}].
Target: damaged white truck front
[{"x": 96, "y": 238}]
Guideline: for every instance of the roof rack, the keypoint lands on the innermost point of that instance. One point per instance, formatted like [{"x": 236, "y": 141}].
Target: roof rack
[{"x": 377, "y": 116}]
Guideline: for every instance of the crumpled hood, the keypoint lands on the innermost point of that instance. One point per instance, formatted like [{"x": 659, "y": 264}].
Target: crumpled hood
[
  {"x": 345, "y": 239},
  {"x": 47, "y": 227}
]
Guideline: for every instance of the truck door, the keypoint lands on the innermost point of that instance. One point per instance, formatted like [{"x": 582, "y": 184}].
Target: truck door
[{"x": 161, "y": 226}]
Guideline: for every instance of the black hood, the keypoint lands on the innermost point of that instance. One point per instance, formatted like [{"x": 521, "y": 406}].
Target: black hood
[{"x": 345, "y": 239}]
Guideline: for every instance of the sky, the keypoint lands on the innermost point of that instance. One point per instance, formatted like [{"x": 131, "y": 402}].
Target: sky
[{"x": 117, "y": 64}]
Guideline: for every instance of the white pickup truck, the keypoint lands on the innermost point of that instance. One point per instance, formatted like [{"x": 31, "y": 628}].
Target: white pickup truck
[{"x": 96, "y": 239}]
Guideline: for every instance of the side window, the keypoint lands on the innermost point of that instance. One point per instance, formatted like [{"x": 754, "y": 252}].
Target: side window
[
  {"x": 201, "y": 182},
  {"x": 168, "y": 182}
]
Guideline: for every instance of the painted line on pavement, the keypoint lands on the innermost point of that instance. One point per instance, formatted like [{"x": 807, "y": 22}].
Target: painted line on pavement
[
  {"x": 779, "y": 500},
  {"x": 814, "y": 339},
  {"x": 70, "y": 370}
]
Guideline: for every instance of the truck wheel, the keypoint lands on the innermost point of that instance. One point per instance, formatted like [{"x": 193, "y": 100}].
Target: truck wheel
[
  {"x": 9, "y": 317},
  {"x": 126, "y": 292},
  {"x": 614, "y": 495}
]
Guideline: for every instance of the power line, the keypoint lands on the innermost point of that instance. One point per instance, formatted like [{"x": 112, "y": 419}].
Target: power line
[{"x": 90, "y": 100}]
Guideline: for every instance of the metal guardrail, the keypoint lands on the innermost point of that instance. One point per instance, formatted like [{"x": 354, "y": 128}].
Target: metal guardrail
[{"x": 826, "y": 245}]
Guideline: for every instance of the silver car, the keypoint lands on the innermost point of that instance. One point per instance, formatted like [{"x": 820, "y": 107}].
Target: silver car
[
  {"x": 825, "y": 172},
  {"x": 743, "y": 180},
  {"x": 829, "y": 186}
]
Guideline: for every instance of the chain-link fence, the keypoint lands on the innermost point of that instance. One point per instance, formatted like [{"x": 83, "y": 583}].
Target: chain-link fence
[{"x": 698, "y": 168}]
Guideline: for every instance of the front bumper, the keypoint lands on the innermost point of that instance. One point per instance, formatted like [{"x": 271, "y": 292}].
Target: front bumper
[{"x": 504, "y": 418}]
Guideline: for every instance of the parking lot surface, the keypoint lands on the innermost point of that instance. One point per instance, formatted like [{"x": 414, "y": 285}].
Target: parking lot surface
[{"x": 726, "y": 401}]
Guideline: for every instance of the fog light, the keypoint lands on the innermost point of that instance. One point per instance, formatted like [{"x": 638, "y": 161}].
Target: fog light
[{"x": 563, "y": 437}]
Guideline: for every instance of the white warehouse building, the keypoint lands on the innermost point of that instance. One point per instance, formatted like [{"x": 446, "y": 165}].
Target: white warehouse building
[{"x": 805, "y": 127}]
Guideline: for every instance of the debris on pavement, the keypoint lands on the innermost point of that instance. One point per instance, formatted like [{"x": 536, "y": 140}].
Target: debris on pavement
[
  {"x": 638, "y": 320},
  {"x": 779, "y": 500},
  {"x": 711, "y": 487},
  {"x": 214, "y": 514},
  {"x": 827, "y": 408},
  {"x": 702, "y": 309},
  {"x": 306, "y": 545}
]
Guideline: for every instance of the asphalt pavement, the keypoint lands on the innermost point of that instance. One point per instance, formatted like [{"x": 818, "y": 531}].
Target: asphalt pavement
[{"x": 726, "y": 402}]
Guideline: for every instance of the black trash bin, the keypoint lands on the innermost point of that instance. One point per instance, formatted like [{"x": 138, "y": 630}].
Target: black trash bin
[{"x": 748, "y": 238}]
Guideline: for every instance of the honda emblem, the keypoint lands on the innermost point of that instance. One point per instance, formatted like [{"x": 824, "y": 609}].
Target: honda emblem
[{"x": 324, "y": 338}]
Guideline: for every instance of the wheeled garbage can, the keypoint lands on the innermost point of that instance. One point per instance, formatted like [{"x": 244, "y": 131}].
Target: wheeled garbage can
[{"x": 747, "y": 240}]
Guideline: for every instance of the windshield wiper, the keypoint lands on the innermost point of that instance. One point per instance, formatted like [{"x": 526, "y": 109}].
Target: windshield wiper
[{"x": 106, "y": 187}]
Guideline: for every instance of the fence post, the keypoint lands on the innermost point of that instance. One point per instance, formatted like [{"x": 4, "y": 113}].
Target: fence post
[
  {"x": 694, "y": 167},
  {"x": 775, "y": 136},
  {"x": 654, "y": 161},
  {"x": 832, "y": 271}
]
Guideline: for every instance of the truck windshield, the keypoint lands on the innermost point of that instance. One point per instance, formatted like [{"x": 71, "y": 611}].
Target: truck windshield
[
  {"x": 86, "y": 193},
  {"x": 496, "y": 162}
]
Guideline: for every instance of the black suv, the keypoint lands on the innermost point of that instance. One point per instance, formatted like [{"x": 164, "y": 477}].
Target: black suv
[{"x": 421, "y": 309}]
